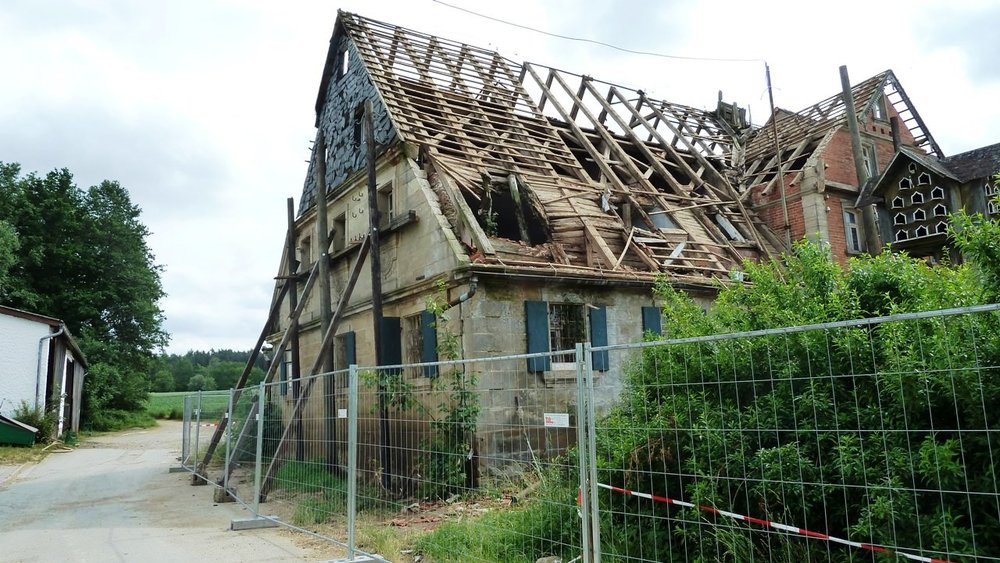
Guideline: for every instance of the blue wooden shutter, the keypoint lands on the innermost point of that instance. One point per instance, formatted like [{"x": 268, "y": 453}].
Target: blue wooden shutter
[
  {"x": 282, "y": 377},
  {"x": 350, "y": 353},
  {"x": 651, "y": 320},
  {"x": 429, "y": 340},
  {"x": 536, "y": 322},
  {"x": 392, "y": 345},
  {"x": 599, "y": 335}
]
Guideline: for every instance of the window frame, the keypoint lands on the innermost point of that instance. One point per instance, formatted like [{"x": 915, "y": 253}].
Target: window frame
[{"x": 853, "y": 241}]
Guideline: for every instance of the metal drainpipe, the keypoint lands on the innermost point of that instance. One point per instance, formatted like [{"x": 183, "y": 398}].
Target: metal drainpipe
[
  {"x": 38, "y": 370},
  {"x": 473, "y": 284}
]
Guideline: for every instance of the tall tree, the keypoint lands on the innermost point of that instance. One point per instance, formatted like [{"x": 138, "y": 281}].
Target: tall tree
[{"x": 83, "y": 258}]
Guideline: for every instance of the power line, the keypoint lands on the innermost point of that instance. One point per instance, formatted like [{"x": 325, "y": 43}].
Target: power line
[{"x": 594, "y": 41}]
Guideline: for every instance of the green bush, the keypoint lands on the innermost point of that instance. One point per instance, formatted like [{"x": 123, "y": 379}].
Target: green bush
[
  {"x": 111, "y": 420},
  {"x": 44, "y": 420}
]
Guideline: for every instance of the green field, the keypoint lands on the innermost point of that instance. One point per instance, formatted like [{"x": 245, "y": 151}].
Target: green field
[{"x": 171, "y": 405}]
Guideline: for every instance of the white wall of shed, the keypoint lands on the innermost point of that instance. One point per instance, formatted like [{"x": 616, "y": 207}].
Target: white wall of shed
[{"x": 19, "y": 361}]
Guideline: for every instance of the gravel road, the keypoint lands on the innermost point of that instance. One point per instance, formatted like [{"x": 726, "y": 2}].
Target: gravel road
[{"x": 112, "y": 499}]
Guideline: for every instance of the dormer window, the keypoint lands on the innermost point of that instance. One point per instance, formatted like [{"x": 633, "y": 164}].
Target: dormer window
[
  {"x": 941, "y": 228},
  {"x": 897, "y": 203},
  {"x": 878, "y": 109},
  {"x": 919, "y": 215},
  {"x": 937, "y": 193},
  {"x": 921, "y": 231},
  {"x": 905, "y": 184},
  {"x": 940, "y": 210},
  {"x": 917, "y": 198},
  {"x": 923, "y": 179},
  {"x": 899, "y": 219}
]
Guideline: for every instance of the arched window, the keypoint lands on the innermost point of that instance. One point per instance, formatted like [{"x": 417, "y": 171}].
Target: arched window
[
  {"x": 940, "y": 210},
  {"x": 905, "y": 183},
  {"x": 937, "y": 193},
  {"x": 919, "y": 215},
  {"x": 917, "y": 198},
  {"x": 897, "y": 203}
]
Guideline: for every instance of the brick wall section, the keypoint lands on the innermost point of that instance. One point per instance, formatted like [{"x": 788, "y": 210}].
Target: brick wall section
[{"x": 769, "y": 208}]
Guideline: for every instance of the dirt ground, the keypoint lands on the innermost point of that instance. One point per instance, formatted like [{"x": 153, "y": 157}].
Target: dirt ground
[{"x": 113, "y": 499}]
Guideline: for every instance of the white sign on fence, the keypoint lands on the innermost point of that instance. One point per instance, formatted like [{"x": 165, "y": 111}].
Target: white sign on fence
[
  {"x": 341, "y": 413},
  {"x": 556, "y": 420}
]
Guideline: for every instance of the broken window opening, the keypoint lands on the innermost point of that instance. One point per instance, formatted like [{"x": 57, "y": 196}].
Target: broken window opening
[
  {"x": 567, "y": 326},
  {"x": 359, "y": 129},
  {"x": 343, "y": 64},
  {"x": 339, "y": 233},
  {"x": 386, "y": 205}
]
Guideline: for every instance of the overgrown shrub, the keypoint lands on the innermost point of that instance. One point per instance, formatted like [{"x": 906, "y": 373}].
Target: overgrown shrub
[{"x": 45, "y": 420}]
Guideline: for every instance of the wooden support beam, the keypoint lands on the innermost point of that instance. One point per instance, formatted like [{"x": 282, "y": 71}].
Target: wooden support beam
[{"x": 300, "y": 401}]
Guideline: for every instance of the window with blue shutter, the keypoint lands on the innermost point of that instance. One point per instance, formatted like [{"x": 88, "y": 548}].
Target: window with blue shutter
[
  {"x": 536, "y": 321},
  {"x": 282, "y": 378},
  {"x": 392, "y": 344},
  {"x": 350, "y": 353},
  {"x": 599, "y": 335},
  {"x": 428, "y": 342},
  {"x": 651, "y": 320}
]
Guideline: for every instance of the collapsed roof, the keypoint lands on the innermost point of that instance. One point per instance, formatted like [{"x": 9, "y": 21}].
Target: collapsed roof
[
  {"x": 805, "y": 133},
  {"x": 563, "y": 169}
]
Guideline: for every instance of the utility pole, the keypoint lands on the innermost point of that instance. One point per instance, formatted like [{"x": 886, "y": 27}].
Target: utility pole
[{"x": 872, "y": 243}]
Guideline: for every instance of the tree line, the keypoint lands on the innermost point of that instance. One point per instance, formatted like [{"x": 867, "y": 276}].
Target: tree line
[
  {"x": 204, "y": 371},
  {"x": 81, "y": 255}
]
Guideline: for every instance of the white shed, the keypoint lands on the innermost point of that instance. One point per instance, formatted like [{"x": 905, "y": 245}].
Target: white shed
[{"x": 41, "y": 364}]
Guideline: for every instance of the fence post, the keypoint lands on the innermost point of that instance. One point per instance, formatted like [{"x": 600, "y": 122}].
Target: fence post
[
  {"x": 581, "y": 441},
  {"x": 259, "y": 457},
  {"x": 229, "y": 440},
  {"x": 352, "y": 457},
  {"x": 186, "y": 432},
  {"x": 591, "y": 454},
  {"x": 197, "y": 432}
]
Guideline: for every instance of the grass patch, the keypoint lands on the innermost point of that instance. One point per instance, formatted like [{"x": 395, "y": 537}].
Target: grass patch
[
  {"x": 170, "y": 406},
  {"x": 113, "y": 420},
  {"x": 327, "y": 493},
  {"x": 16, "y": 455},
  {"x": 544, "y": 526}
]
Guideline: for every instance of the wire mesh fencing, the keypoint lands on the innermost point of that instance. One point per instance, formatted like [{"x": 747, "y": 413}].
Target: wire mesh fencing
[
  {"x": 848, "y": 441},
  {"x": 834, "y": 442},
  {"x": 202, "y": 412}
]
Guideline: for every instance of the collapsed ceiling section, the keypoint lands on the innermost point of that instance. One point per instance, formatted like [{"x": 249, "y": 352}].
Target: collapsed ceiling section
[{"x": 564, "y": 168}]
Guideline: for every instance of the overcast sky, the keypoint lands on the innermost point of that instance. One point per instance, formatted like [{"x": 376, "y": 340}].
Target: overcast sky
[{"x": 203, "y": 109}]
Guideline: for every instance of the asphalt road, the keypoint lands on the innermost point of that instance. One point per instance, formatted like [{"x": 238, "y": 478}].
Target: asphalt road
[{"x": 113, "y": 499}]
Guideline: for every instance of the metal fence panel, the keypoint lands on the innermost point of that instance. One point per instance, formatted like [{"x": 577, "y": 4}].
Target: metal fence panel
[{"x": 825, "y": 443}]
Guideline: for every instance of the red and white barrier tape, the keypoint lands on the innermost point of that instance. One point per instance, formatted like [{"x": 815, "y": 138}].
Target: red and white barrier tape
[{"x": 775, "y": 525}]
